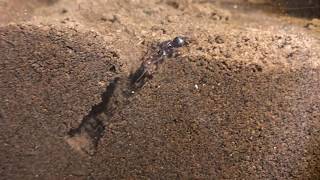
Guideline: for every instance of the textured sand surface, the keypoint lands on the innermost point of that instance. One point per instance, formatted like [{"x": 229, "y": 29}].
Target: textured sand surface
[{"x": 241, "y": 101}]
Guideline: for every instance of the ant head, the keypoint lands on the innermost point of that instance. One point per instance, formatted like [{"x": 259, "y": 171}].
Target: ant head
[{"x": 179, "y": 42}]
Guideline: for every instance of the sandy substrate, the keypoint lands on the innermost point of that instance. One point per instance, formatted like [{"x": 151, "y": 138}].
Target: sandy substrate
[{"x": 241, "y": 101}]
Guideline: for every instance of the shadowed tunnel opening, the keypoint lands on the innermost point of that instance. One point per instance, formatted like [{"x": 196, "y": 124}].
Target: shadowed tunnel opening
[{"x": 91, "y": 124}]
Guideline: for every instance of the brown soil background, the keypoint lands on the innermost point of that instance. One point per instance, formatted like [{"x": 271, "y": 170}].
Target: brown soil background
[{"x": 255, "y": 113}]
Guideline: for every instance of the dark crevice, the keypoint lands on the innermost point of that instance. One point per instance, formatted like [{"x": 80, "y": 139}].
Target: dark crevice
[
  {"x": 91, "y": 124},
  {"x": 106, "y": 96}
]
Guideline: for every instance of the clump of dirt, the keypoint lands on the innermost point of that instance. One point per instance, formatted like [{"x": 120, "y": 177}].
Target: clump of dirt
[{"x": 241, "y": 101}]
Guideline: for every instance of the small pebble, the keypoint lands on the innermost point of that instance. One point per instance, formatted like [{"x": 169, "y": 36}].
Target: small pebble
[{"x": 196, "y": 86}]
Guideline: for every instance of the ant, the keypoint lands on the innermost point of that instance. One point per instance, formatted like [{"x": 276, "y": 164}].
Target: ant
[{"x": 148, "y": 67}]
